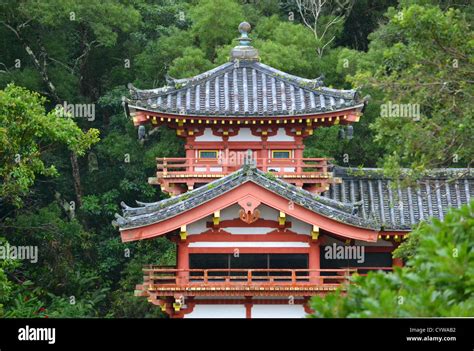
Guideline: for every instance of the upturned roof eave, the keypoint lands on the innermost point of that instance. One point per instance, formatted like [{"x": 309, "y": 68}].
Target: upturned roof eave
[
  {"x": 319, "y": 201},
  {"x": 357, "y": 107}
]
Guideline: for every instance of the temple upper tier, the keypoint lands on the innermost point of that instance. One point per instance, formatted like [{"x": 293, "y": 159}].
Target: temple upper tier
[
  {"x": 239, "y": 107},
  {"x": 244, "y": 87}
]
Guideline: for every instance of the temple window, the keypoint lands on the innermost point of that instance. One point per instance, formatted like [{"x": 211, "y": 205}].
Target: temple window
[
  {"x": 208, "y": 154},
  {"x": 281, "y": 154}
]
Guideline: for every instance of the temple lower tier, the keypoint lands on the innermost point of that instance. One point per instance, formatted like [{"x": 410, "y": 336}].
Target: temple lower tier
[{"x": 248, "y": 240}]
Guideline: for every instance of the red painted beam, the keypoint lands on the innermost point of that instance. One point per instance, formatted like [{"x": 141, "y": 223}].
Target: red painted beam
[{"x": 263, "y": 195}]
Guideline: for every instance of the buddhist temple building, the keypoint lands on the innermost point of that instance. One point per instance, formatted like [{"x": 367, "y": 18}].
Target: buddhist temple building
[{"x": 258, "y": 227}]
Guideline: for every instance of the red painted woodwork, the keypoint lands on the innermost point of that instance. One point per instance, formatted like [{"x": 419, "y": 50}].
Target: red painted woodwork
[
  {"x": 314, "y": 261},
  {"x": 261, "y": 223},
  {"x": 172, "y": 120},
  {"x": 176, "y": 176},
  {"x": 269, "y": 198},
  {"x": 222, "y": 236},
  {"x": 397, "y": 262},
  {"x": 172, "y": 172},
  {"x": 167, "y": 286},
  {"x": 223, "y": 282}
]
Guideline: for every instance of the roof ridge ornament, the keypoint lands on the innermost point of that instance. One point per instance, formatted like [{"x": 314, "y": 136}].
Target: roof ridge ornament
[
  {"x": 244, "y": 51},
  {"x": 244, "y": 29}
]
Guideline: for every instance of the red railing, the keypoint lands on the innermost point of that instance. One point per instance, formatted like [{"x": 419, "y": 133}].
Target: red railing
[
  {"x": 166, "y": 276},
  {"x": 178, "y": 166},
  {"x": 281, "y": 277}
]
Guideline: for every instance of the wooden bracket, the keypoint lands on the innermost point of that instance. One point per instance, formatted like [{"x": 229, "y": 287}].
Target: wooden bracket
[
  {"x": 249, "y": 212},
  {"x": 183, "y": 233},
  {"x": 315, "y": 232},
  {"x": 217, "y": 217},
  {"x": 177, "y": 306},
  {"x": 282, "y": 218}
]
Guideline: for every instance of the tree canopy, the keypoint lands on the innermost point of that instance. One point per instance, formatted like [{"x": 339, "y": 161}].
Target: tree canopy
[
  {"x": 438, "y": 280},
  {"x": 62, "y": 177}
]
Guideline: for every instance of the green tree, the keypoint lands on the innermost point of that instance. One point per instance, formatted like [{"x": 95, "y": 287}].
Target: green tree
[
  {"x": 191, "y": 63},
  {"x": 437, "y": 281},
  {"x": 421, "y": 59},
  {"x": 215, "y": 23},
  {"x": 26, "y": 131}
]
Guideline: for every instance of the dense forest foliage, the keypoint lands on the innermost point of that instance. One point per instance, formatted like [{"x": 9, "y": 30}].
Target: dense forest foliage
[
  {"x": 437, "y": 280},
  {"x": 62, "y": 178}
]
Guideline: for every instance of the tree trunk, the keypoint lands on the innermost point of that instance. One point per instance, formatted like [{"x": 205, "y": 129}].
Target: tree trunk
[
  {"x": 76, "y": 178},
  {"x": 43, "y": 70}
]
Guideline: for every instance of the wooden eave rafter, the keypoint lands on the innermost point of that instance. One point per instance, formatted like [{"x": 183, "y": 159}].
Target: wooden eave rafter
[{"x": 343, "y": 116}]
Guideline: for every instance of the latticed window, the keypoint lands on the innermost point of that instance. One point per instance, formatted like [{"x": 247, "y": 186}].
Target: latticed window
[
  {"x": 212, "y": 154},
  {"x": 281, "y": 154}
]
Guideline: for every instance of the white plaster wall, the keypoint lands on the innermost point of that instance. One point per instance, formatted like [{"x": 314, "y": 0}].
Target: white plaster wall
[
  {"x": 231, "y": 212},
  {"x": 255, "y": 230},
  {"x": 281, "y": 136},
  {"x": 298, "y": 226},
  {"x": 211, "y": 169},
  {"x": 249, "y": 244},
  {"x": 208, "y": 136},
  {"x": 244, "y": 134},
  {"x": 380, "y": 243},
  {"x": 266, "y": 212},
  {"x": 269, "y": 213},
  {"x": 197, "y": 299},
  {"x": 199, "y": 226},
  {"x": 217, "y": 311},
  {"x": 278, "y": 311}
]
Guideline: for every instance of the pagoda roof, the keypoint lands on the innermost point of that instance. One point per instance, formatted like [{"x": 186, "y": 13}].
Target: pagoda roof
[
  {"x": 365, "y": 198},
  {"x": 394, "y": 207},
  {"x": 156, "y": 212},
  {"x": 243, "y": 87}
]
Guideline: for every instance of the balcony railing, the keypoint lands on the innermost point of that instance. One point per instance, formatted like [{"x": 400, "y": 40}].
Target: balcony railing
[
  {"x": 291, "y": 167},
  {"x": 209, "y": 277},
  {"x": 167, "y": 281}
]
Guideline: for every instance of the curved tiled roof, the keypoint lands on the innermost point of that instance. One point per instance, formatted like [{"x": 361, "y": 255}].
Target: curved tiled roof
[
  {"x": 243, "y": 88},
  {"x": 401, "y": 208},
  {"x": 365, "y": 198},
  {"x": 151, "y": 213}
]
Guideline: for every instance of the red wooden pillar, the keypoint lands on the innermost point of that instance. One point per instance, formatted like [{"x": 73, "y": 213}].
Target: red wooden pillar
[
  {"x": 299, "y": 159},
  {"x": 248, "y": 307},
  {"x": 314, "y": 262},
  {"x": 262, "y": 156},
  {"x": 182, "y": 263},
  {"x": 190, "y": 156},
  {"x": 397, "y": 262}
]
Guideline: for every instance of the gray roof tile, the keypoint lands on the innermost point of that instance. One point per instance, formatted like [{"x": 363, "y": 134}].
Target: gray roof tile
[
  {"x": 398, "y": 208},
  {"x": 365, "y": 198},
  {"x": 250, "y": 88},
  {"x": 150, "y": 213}
]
